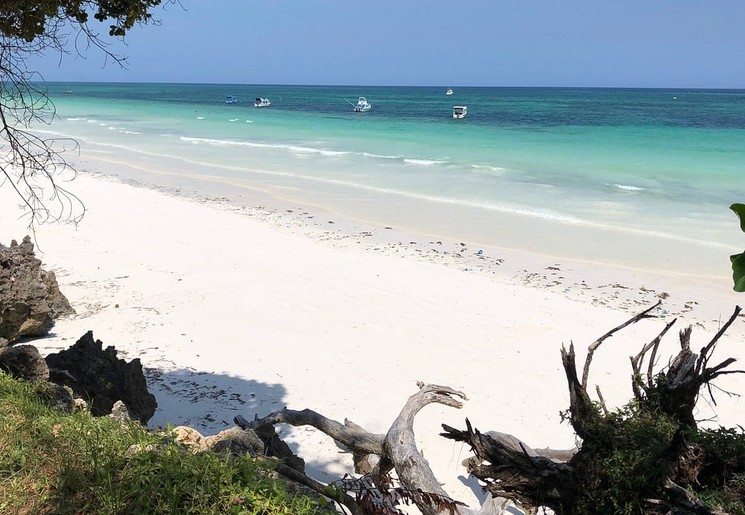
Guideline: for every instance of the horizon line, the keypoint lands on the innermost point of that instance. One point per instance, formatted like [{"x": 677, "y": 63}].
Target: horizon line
[{"x": 698, "y": 88}]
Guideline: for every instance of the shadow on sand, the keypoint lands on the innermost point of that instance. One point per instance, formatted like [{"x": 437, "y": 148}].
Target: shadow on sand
[{"x": 207, "y": 401}]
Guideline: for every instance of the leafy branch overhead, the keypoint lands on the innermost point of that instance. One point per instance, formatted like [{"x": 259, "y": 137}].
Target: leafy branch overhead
[
  {"x": 31, "y": 19},
  {"x": 31, "y": 165},
  {"x": 738, "y": 260}
]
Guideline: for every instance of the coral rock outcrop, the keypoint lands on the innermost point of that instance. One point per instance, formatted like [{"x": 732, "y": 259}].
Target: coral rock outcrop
[
  {"x": 98, "y": 375},
  {"x": 30, "y": 299}
]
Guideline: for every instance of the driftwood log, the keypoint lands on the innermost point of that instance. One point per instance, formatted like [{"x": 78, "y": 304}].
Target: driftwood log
[
  {"x": 509, "y": 469},
  {"x": 377, "y": 455}
]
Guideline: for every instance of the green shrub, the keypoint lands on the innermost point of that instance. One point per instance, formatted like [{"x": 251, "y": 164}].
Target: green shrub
[{"x": 624, "y": 460}]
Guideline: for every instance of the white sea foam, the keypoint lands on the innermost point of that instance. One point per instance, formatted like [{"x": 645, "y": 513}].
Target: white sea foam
[
  {"x": 378, "y": 156},
  {"x": 626, "y": 187},
  {"x": 209, "y": 141},
  {"x": 131, "y": 132},
  {"x": 75, "y": 119},
  {"x": 424, "y": 162},
  {"x": 497, "y": 170},
  {"x": 300, "y": 149},
  {"x": 292, "y": 148},
  {"x": 311, "y": 150}
]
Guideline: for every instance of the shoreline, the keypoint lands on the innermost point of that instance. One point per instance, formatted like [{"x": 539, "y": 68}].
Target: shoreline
[
  {"x": 236, "y": 307},
  {"x": 691, "y": 245},
  {"x": 604, "y": 285}
]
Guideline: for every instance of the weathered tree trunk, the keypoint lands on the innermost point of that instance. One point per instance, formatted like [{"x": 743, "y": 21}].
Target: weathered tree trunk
[
  {"x": 376, "y": 455},
  {"x": 512, "y": 470},
  {"x": 400, "y": 449},
  {"x": 678, "y": 388}
]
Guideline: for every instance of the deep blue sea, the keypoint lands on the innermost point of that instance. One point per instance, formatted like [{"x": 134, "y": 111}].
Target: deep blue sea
[{"x": 658, "y": 164}]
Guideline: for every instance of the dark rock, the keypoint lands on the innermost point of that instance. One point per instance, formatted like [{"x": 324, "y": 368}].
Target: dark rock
[
  {"x": 102, "y": 378},
  {"x": 30, "y": 299},
  {"x": 24, "y": 362}
]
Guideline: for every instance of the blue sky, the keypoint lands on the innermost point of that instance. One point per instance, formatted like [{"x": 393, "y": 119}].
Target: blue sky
[{"x": 597, "y": 43}]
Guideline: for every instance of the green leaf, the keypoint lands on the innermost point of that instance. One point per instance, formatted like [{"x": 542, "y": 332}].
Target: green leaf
[
  {"x": 738, "y": 271},
  {"x": 739, "y": 210}
]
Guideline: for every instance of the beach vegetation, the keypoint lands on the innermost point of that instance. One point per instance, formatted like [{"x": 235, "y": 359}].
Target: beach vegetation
[
  {"x": 651, "y": 456},
  {"x": 53, "y": 462},
  {"x": 635, "y": 451},
  {"x": 647, "y": 457},
  {"x": 738, "y": 260},
  {"x": 32, "y": 165}
]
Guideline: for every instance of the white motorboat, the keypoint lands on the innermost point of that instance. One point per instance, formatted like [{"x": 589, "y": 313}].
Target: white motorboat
[
  {"x": 262, "y": 102},
  {"x": 449, "y": 91},
  {"x": 362, "y": 105},
  {"x": 460, "y": 111},
  {"x": 231, "y": 99}
]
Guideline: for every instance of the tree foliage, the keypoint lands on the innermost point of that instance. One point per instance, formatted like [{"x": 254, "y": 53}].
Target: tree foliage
[
  {"x": 32, "y": 19},
  {"x": 738, "y": 260},
  {"x": 31, "y": 165}
]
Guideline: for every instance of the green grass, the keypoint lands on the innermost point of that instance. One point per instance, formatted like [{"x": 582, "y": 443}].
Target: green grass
[{"x": 56, "y": 463}]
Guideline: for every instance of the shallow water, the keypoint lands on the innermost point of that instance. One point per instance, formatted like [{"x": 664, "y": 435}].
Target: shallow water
[{"x": 634, "y": 177}]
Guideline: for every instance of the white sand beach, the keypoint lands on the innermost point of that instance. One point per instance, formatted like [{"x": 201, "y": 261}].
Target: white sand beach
[{"x": 246, "y": 305}]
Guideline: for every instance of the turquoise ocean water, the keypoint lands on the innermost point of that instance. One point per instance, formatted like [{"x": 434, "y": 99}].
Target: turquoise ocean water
[{"x": 527, "y": 167}]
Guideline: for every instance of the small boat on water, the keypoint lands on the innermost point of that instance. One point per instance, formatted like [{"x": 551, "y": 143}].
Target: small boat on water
[
  {"x": 460, "y": 111},
  {"x": 449, "y": 91},
  {"x": 362, "y": 105},
  {"x": 262, "y": 102},
  {"x": 231, "y": 99}
]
